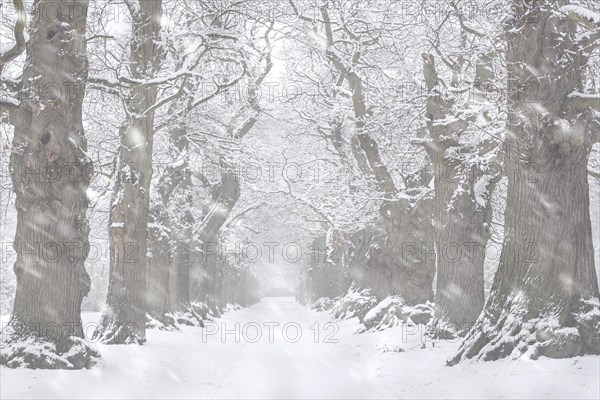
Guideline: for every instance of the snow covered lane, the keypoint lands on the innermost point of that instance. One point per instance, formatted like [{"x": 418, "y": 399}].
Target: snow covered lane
[
  {"x": 302, "y": 356},
  {"x": 280, "y": 349},
  {"x": 274, "y": 349}
]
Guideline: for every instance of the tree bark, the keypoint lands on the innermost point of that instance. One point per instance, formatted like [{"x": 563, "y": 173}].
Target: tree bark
[
  {"x": 124, "y": 317},
  {"x": 462, "y": 209},
  {"x": 544, "y": 299},
  {"x": 50, "y": 173}
]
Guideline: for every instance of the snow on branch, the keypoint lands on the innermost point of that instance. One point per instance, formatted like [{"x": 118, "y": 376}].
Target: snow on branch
[{"x": 584, "y": 16}]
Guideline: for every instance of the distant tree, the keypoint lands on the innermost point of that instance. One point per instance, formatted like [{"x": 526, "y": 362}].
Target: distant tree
[
  {"x": 233, "y": 44},
  {"x": 351, "y": 41}
]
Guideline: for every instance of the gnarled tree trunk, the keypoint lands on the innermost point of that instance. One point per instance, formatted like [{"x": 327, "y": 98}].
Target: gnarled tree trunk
[
  {"x": 546, "y": 284},
  {"x": 462, "y": 210},
  {"x": 50, "y": 172},
  {"x": 159, "y": 266}
]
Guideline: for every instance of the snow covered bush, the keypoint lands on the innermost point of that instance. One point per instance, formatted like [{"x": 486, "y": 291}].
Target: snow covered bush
[
  {"x": 392, "y": 311},
  {"x": 354, "y": 304},
  {"x": 201, "y": 309},
  {"x": 384, "y": 314},
  {"x": 323, "y": 304}
]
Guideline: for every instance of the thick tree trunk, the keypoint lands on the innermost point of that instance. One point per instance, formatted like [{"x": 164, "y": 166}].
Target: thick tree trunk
[
  {"x": 124, "y": 318},
  {"x": 544, "y": 299},
  {"x": 462, "y": 210},
  {"x": 50, "y": 172},
  {"x": 397, "y": 258},
  {"x": 461, "y": 239}
]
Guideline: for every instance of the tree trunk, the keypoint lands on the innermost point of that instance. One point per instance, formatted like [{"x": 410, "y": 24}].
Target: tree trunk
[
  {"x": 462, "y": 210},
  {"x": 462, "y": 233},
  {"x": 181, "y": 259},
  {"x": 206, "y": 275},
  {"x": 50, "y": 172},
  {"x": 171, "y": 237},
  {"x": 544, "y": 299},
  {"x": 159, "y": 266},
  {"x": 124, "y": 317},
  {"x": 326, "y": 274}
]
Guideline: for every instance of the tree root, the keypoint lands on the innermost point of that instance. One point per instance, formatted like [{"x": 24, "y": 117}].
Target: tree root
[
  {"x": 19, "y": 351},
  {"x": 442, "y": 329},
  {"x": 516, "y": 336},
  {"x": 117, "y": 333},
  {"x": 172, "y": 321}
]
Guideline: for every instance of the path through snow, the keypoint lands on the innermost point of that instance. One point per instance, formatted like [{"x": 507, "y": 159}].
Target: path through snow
[{"x": 228, "y": 359}]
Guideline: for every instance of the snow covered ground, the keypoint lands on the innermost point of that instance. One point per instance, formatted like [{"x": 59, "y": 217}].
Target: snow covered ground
[{"x": 229, "y": 360}]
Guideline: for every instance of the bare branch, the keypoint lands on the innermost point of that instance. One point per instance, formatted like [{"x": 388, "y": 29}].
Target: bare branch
[{"x": 19, "y": 33}]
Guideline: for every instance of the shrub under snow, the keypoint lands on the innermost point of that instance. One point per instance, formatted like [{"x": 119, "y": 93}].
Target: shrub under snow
[
  {"x": 323, "y": 304},
  {"x": 354, "y": 304},
  {"x": 392, "y": 310}
]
